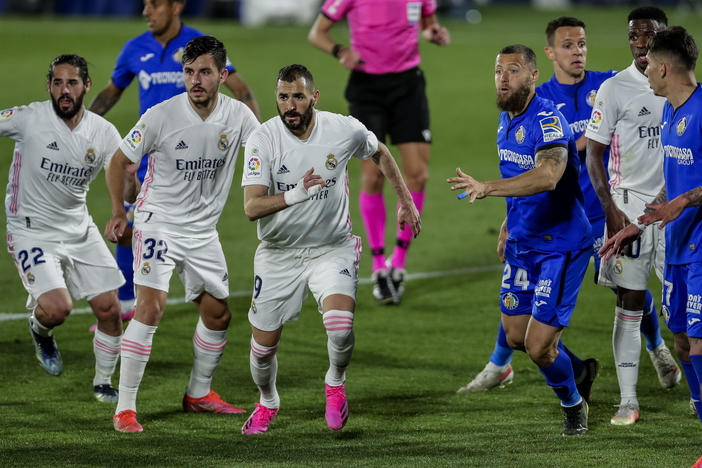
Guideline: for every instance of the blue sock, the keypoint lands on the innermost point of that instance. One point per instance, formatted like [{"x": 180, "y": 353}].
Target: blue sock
[
  {"x": 125, "y": 262},
  {"x": 691, "y": 378},
  {"x": 650, "y": 328},
  {"x": 576, "y": 362},
  {"x": 559, "y": 376},
  {"x": 502, "y": 354},
  {"x": 696, "y": 360}
]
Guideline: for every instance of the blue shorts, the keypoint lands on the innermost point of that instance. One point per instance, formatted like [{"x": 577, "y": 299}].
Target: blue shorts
[
  {"x": 682, "y": 298},
  {"x": 543, "y": 284}
]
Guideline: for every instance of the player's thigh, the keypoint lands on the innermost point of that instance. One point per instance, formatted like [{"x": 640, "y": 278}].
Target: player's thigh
[
  {"x": 694, "y": 300},
  {"x": 38, "y": 264},
  {"x": 333, "y": 270},
  {"x": 558, "y": 284},
  {"x": 517, "y": 287},
  {"x": 280, "y": 287},
  {"x": 155, "y": 256},
  {"x": 409, "y": 110},
  {"x": 91, "y": 269},
  {"x": 204, "y": 268}
]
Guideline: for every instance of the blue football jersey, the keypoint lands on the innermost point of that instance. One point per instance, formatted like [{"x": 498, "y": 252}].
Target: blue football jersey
[
  {"x": 575, "y": 103},
  {"x": 553, "y": 220},
  {"x": 158, "y": 70},
  {"x": 682, "y": 168}
]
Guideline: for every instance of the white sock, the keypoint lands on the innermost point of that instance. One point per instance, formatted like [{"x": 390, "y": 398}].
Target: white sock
[
  {"x": 339, "y": 325},
  {"x": 136, "y": 349},
  {"x": 208, "y": 346},
  {"x": 106, "y": 349},
  {"x": 38, "y": 328},
  {"x": 626, "y": 343},
  {"x": 264, "y": 368}
]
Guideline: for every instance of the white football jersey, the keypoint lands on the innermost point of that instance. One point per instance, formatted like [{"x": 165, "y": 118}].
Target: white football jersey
[
  {"x": 52, "y": 168},
  {"x": 191, "y": 162},
  {"x": 278, "y": 159},
  {"x": 627, "y": 117}
]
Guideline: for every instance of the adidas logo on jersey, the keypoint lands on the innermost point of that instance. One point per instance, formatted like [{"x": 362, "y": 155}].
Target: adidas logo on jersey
[
  {"x": 644, "y": 111},
  {"x": 345, "y": 272},
  {"x": 283, "y": 170},
  {"x": 53, "y": 146},
  {"x": 181, "y": 145}
]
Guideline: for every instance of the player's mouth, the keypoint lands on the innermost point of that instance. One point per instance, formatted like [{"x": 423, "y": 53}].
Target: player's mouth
[
  {"x": 197, "y": 91},
  {"x": 292, "y": 116},
  {"x": 504, "y": 90},
  {"x": 65, "y": 101},
  {"x": 578, "y": 64},
  {"x": 642, "y": 58}
]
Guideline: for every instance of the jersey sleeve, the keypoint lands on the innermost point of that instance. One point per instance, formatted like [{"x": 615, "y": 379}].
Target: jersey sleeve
[
  {"x": 11, "y": 120},
  {"x": 229, "y": 66},
  {"x": 141, "y": 139},
  {"x": 335, "y": 10},
  {"x": 550, "y": 129},
  {"x": 249, "y": 125},
  {"x": 122, "y": 75},
  {"x": 604, "y": 115},
  {"x": 428, "y": 7},
  {"x": 111, "y": 141},
  {"x": 365, "y": 142},
  {"x": 257, "y": 160}
]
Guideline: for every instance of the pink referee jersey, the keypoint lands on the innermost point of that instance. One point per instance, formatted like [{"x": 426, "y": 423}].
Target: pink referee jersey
[{"x": 385, "y": 33}]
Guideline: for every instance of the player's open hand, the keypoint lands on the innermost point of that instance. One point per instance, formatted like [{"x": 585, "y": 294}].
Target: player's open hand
[
  {"x": 616, "y": 220},
  {"x": 114, "y": 230},
  {"x": 408, "y": 216},
  {"x": 472, "y": 188},
  {"x": 663, "y": 212},
  {"x": 615, "y": 244},
  {"x": 436, "y": 34}
]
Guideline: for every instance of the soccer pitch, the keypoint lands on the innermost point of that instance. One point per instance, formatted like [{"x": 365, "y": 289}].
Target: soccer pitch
[{"x": 408, "y": 361}]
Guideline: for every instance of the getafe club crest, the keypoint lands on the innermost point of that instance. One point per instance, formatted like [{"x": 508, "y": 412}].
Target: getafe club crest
[
  {"x": 178, "y": 55},
  {"x": 510, "y": 301},
  {"x": 682, "y": 125},
  {"x": 591, "y": 97},
  {"x": 90, "y": 156},
  {"x": 145, "y": 268},
  {"x": 519, "y": 134},
  {"x": 331, "y": 162},
  {"x": 223, "y": 142}
]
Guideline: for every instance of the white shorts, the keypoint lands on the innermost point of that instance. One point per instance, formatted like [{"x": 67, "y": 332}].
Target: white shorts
[
  {"x": 282, "y": 276},
  {"x": 199, "y": 261},
  {"x": 632, "y": 271},
  {"x": 85, "y": 267}
]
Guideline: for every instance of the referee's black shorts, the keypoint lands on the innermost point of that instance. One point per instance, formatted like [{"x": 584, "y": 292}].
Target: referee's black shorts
[{"x": 392, "y": 104}]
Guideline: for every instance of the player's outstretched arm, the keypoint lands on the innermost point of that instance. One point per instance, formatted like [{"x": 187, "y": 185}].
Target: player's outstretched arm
[
  {"x": 615, "y": 218},
  {"x": 433, "y": 32},
  {"x": 243, "y": 93},
  {"x": 549, "y": 165},
  {"x": 408, "y": 215},
  {"x": 665, "y": 212},
  {"x": 107, "y": 98},
  {"x": 115, "y": 177},
  {"x": 319, "y": 37},
  {"x": 257, "y": 202}
]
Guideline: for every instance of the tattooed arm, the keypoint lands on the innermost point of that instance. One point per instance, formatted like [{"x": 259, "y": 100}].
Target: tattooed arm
[{"x": 549, "y": 166}]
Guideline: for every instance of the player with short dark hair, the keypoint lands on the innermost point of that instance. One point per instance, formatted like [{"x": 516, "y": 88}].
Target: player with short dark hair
[
  {"x": 670, "y": 67},
  {"x": 549, "y": 237},
  {"x": 60, "y": 149},
  {"x": 626, "y": 119},
  {"x": 155, "y": 59},
  {"x": 296, "y": 187},
  {"x": 386, "y": 92},
  {"x": 192, "y": 140}
]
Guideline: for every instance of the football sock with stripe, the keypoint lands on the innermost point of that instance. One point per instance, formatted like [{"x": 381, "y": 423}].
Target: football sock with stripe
[
  {"x": 136, "y": 350},
  {"x": 339, "y": 326},
  {"x": 404, "y": 237},
  {"x": 106, "y": 349},
  {"x": 372, "y": 207},
  {"x": 264, "y": 368},
  {"x": 208, "y": 346},
  {"x": 502, "y": 353},
  {"x": 626, "y": 343}
]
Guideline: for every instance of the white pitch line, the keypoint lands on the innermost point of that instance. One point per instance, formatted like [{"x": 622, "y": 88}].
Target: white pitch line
[{"x": 410, "y": 277}]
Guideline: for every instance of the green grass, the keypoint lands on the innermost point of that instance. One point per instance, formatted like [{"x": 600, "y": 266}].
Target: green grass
[{"x": 408, "y": 360}]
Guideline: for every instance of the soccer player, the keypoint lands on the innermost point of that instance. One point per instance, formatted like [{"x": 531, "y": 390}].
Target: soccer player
[
  {"x": 192, "y": 140},
  {"x": 626, "y": 117},
  {"x": 296, "y": 185},
  {"x": 670, "y": 67},
  {"x": 59, "y": 252},
  {"x": 549, "y": 237},
  {"x": 154, "y": 58},
  {"x": 386, "y": 93}
]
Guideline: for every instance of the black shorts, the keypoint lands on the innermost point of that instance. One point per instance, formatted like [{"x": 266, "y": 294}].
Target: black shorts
[{"x": 393, "y": 103}]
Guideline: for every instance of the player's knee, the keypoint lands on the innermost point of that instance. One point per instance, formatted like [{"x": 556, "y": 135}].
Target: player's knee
[
  {"x": 108, "y": 309},
  {"x": 372, "y": 182},
  {"x": 515, "y": 342},
  {"x": 541, "y": 354},
  {"x": 56, "y": 311},
  {"x": 339, "y": 326}
]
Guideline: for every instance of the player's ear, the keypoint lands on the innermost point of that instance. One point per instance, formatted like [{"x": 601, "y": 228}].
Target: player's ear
[
  {"x": 88, "y": 84},
  {"x": 548, "y": 50},
  {"x": 177, "y": 7},
  {"x": 223, "y": 75},
  {"x": 535, "y": 75},
  {"x": 316, "y": 97}
]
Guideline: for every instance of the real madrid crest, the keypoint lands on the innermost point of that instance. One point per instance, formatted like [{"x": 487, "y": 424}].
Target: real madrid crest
[
  {"x": 519, "y": 134},
  {"x": 30, "y": 278},
  {"x": 90, "y": 156},
  {"x": 682, "y": 125},
  {"x": 618, "y": 267},
  {"x": 331, "y": 162},
  {"x": 145, "y": 268},
  {"x": 223, "y": 142}
]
